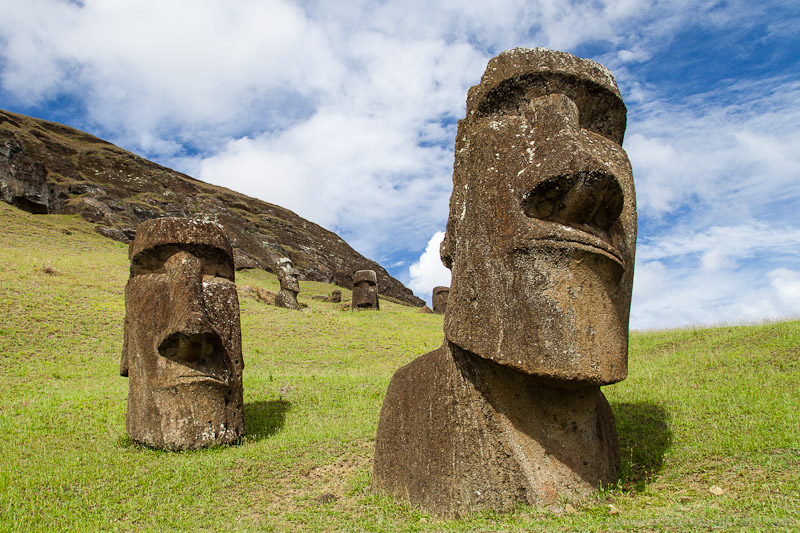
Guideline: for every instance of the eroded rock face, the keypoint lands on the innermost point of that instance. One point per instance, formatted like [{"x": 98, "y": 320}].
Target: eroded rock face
[
  {"x": 540, "y": 240},
  {"x": 439, "y": 299},
  {"x": 290, "y": 286},
  {"x": 23, "y": 181},
  {"x": 182, "y": 349},
  {"x": 365, "y": 291}
]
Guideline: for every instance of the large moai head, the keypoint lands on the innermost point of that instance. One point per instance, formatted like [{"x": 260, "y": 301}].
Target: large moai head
[
  {"x": 365, "y": 290},
  {"x": 182, "y": 350},
  {"x": 542, "y": 227},
  {"x": 439, "y": 299}
]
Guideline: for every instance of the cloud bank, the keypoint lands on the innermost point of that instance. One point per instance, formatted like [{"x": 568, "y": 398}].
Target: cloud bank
[{"x": 346, "y": 113}]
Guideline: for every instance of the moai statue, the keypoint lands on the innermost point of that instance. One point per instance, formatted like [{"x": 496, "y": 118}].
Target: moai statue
[
  {"x": 182, "y": 349},
  {"x": 540, "y": 240},
  {"x": 439, "y": 299},
  {"x": 336, "y": 296},
  {"x": 290, "y": 287},
  {"x": 365, "y": 290}
]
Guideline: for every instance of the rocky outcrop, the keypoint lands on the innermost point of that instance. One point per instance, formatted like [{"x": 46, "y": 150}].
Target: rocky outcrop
[{"x": 47, "y": 167}]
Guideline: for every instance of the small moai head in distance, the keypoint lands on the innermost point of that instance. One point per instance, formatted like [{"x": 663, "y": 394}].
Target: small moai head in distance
[
  {"x": 287, "y": 275},
  {"x": 336, "y": 296},
  {"x": 290, "y": 286},
  {"x": 365, "y": 290},
  {"x": 542, "y": 227},
  {"x": 182, "y": 349},
  {"x": 439, "y": 299}
]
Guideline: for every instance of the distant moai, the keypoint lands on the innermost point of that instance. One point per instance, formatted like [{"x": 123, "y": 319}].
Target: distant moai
[
  {"x": 365, "y": 290},
  {"x": 182, "y": 348},
  {"x": 439, "y": 299},
  {"x": 290, "y": 286},
  {"x": 540, "y": 240}
]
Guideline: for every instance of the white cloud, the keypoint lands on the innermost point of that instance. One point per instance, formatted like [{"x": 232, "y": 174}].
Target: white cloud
[
  {"x": 726, "y": 162},
  {"x": 723, "y": 274},
  {"x": 429, "y": 272},
  {"x": 364, "y": 176}
]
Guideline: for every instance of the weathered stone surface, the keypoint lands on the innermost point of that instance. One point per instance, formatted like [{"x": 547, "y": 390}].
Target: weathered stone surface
[
  {"x": 290, "y": 287},
  {"x": 112, "y": 233},
  {"x": 23, "y": 181},
  {"x": 543, "y": 195},
  {"x": 335, "y": 296},
  {"x": 47, "y": 167},
  {"x": 365, "y": 291},
  {"x": 439, "y": 299},
  {"x": 182, "y": 349},
  {"x": 257, "y": 293},
  {"x": 459, "y": 433},
  {"x": 540, "y": 240}
]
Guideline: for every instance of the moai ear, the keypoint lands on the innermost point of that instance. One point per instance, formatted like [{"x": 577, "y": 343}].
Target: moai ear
[
  {"x": 447, "y": 249},
  {"x": 126, "y": 347}
]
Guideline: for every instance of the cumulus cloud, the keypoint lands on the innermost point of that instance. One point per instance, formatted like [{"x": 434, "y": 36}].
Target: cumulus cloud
[
  {"x": 429, "y": 272},
  {"x": 722, "y": 274},
  {"x": 724, "y": 161}
]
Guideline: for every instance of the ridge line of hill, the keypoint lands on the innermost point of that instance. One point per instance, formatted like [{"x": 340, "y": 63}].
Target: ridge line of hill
[{"x": 47, "y": 167}]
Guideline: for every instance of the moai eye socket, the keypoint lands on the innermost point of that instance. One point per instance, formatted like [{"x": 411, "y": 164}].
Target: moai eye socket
[
  {"x": 213, "y": 261},
  {"x": 600, "y": 110}
]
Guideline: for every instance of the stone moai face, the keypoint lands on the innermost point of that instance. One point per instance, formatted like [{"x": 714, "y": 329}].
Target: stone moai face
[
  {"x": 287, "y": 275},
  {"x": 365, "y": 290},
  {"x": 182, "y": 350},
  {"x": 290, "y": 286},
  {"x": 439, "y": 299},
  {"x": 542, "y": 227}
]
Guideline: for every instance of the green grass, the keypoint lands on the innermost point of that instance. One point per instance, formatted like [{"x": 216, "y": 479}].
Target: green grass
[{"x": 701, "y": 408}]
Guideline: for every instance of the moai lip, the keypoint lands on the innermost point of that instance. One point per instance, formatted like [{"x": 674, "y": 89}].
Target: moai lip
[{"x": 182, "y": 348}]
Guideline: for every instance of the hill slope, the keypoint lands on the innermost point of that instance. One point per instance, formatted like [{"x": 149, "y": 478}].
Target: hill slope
[
  {"x": 46, "y": 167},
  {"x": 702, "y": 409}
]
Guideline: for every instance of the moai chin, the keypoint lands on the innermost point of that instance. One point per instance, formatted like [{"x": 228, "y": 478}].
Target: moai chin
[
  {"x": 439, "y": 299},
  {"x": 365, "y": 290},
  {"x": 540, "y": 240},
  {"x": 182, "y": 350},
  {"x": 290, "y": 287}
]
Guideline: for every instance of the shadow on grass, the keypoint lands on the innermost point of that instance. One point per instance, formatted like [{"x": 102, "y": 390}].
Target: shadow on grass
[
  {"x": 263, "y": 419},
  {"x": 644, "y": 437}
]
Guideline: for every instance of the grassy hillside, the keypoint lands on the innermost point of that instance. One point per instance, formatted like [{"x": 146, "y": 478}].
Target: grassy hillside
[{"x": 708, "y": 419}]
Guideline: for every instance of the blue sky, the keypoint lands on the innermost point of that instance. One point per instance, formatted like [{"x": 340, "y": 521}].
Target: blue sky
[{"x": 345, "y": 112}]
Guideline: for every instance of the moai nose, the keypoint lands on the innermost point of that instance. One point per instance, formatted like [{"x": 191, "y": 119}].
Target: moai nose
[
  {"x": 189, "y": 337},
  {"x": 588, "y": 196}
]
